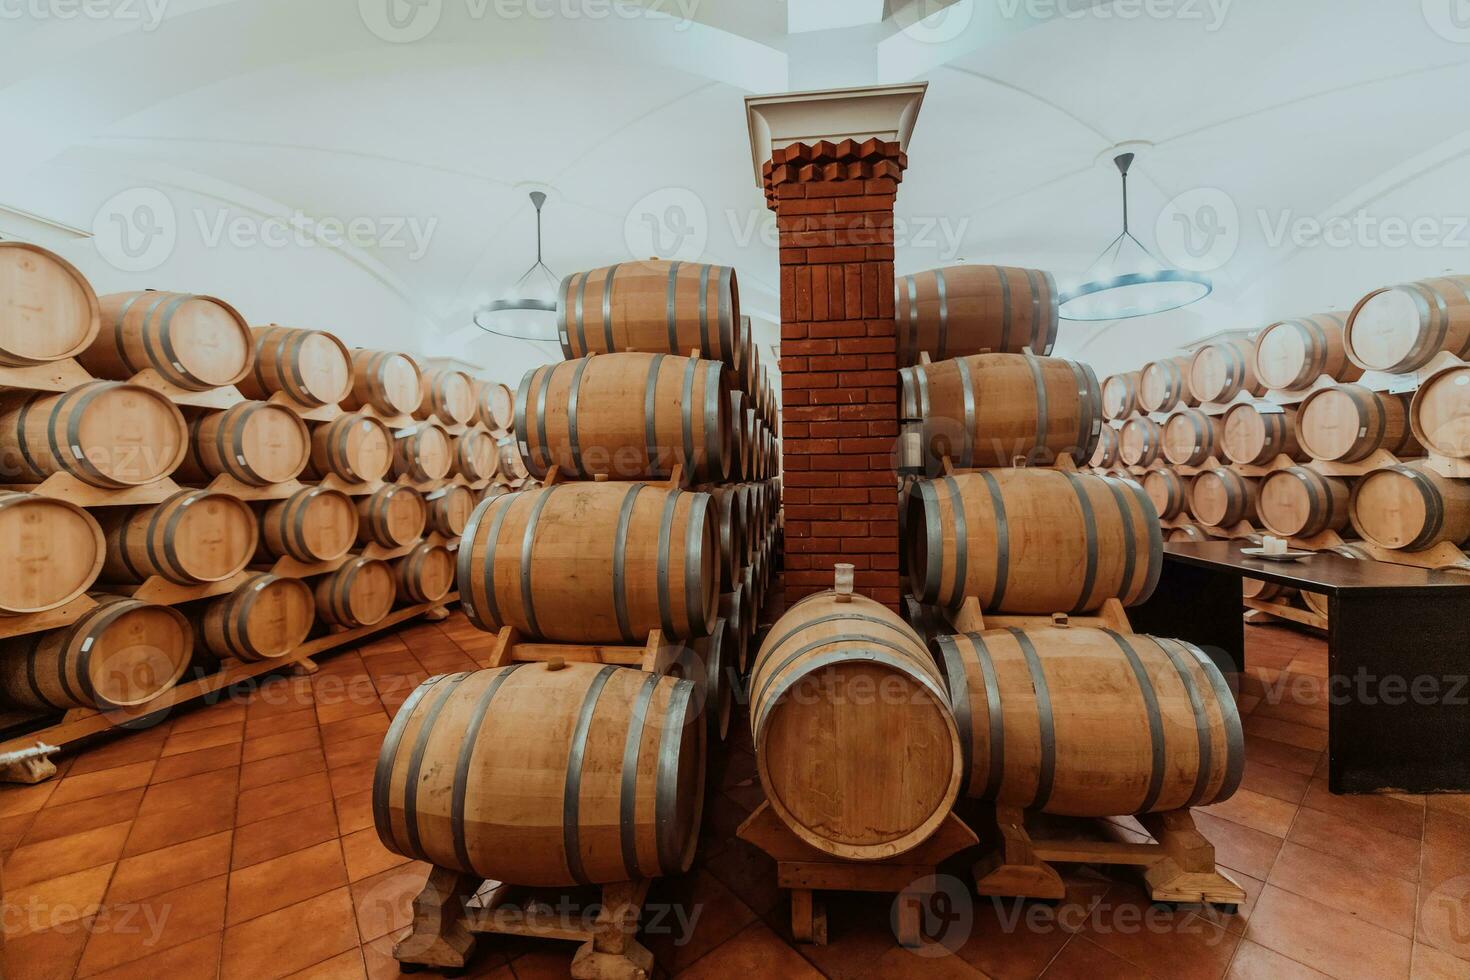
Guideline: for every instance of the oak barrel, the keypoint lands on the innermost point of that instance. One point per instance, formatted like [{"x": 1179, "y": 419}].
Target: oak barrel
[
  {"x": 1410, "y": 507},
  {"x": 1092, "y": 723},
  {"x": 1440, "y": 412},
  {"x": 730, "y": 518},
  {"x": 1220, "y": 371},
  {"x": 425, "y": 574},
  {"x": 310, "y": 368},
  {"x": 1400, "y": 328},
  {"x": 315, "y": 524},
  {"x": 265, "y": 618},
  {"x": 357, "y": 448},
  {"x": 360, "y": 593},
  {"x": 1256, "y": 433},
  {"x": 1190, "y": 437},
  {"x": 48, "y": 310},
  {"x": 495, "y": 406},
  {"x": 1163, "y": 385},
  {"x": 193, "y": 342},
  {"x": 1120, "y": 396},
  {"x": 988, "y": 410},
  {"x": 627, "y": 416},
  {"x": 1223, "y": 498},
  {"x": 193, "y": 537},
  {"x": 121, "y": 654},
  {"x": 1032, "y": 541},
  {"x": 476, "y": 456},
  {"x": 1107, "y": 453},
  {"x": 449, "y": 509},
  {"x": 653, "y": 306},
  {"x": 545, "y": 774},
  {"x": 1168, "y": 491},
  {"x": 105, "y": 433},
  {"x": 257, "y": 443},
  {"x": 1140, "y": 442},
  {"x": 718, "y": 654},
  {"x": 593, "y": 563},
  {"x": 386, "y": 381},
  {"x": 1317, "y": 601},
  {"x": 968, "y": 309},
  {"x": 51, "y": 551},
  {"x": 423, "y": 455},
  {"x": 854, "y": 773},
  {"x": 449, "y": 397},
  {"x": 1291, "y": 354},
  {"x": 1254, "y": 588},
  {"x": 1187, "y": 532},
  {"x": 1348, "y": 423},
  {"x": 1299, "y": 502},
  {"x": 392, "y": 516}
]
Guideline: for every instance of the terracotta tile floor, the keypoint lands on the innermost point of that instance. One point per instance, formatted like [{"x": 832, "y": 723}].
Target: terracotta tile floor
[{"x": 236, "y": 840}]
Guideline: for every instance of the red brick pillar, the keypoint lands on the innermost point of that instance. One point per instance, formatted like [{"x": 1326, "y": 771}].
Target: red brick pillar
[{"x": 839, "y": 376}]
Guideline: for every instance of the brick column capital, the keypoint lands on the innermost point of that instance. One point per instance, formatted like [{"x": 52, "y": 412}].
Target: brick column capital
[{"x": 836, "y": 163}]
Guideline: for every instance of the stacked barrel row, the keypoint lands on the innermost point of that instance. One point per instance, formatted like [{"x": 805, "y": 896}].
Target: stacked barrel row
[
  {"x": 269, "y": 488},
  {"x": 994, "y": 511},
  {"x": 653, "y": 442}
]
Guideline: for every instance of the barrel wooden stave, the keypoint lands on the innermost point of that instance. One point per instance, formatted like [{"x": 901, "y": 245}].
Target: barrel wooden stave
[
  {"x": 1091, "y": 723},
  {"x": 360, "y": 593},
  {"x": 357, "y": 448},
  {"x": 51, "y": 551},
  {"x": 861, "y": 778},
  {"x": 1291, "y": 354},
  {"x": 1032, "y": 541},
  {"x": 309, "y": 368},
  {"x": 1299, "y": 502},
  {"x": 193, "y": 342},
  {"x": 257, "y": 443},
  {"x": 264, "y": 618},
  {"x": 593, "y": 563},
  {"x": 195, "y": 536},
  {"x": 315, "y": 524},
  {"x": 105, "y": 433},
  {"x": 969, "y": 309}
]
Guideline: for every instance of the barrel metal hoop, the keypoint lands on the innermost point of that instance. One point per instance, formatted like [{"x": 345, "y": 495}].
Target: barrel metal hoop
[
  {"x": 670, "y": 320},
  {"x": 118, "y": 341},
  {"x": 527, "y": 544},
  {"x": 995, "y": 711},
  {"x": 943, "y": 344},
  {"x": 962, "y": 543},
  {"x": 1052, "y": 319},
  {"x": 1155, "y": 541},
  {"x": 32, "y": 680},
  {"x": 665, "y": 530},
  {"x": 774, "y": 691},
  {"x": 1035, "y": 312},
  {"x": 628, "y": 794},
  {"x": 572, "y": 402},
  {"x": 1201, "y": 718},
  {"x": 650, "y": 408},
  {"x": 1038, "y": 446},
  {"x": 1230, "y": 714},
  {"x": 703, "y": 311},
  {"x": 725, "y": 315},
  {"x": 666, "y": 784},
  {"x": 762, "y": 696},
  {"x": 1002, "y": 539},
  {"x": 1089, "y": 524},
  {"x": 1316, "y": 504},
  {"x": 607, "y": 287},
  {"x": 159, "y": 299},
  {"x": 467, "y": 748},
  {"x": 694, "y": 583},
  {"x": 620, "y": 559},
  {"x": 492, "y": 603},
  {"x": 959, "y": 702},
  {"x": 1313, "y": 336},
  {"x": 165, "y": 339},
  {"x": 1130, "y": 542},
  {"x": 1433, "y": 507},
  {"x": 716, "y": 462},
  {"x": 185, "y": 500},
  {"x": 544, "y": 449},
  {"x": 934, "y": 541},
  {"x": 774, "y": 645},
  {"x": 686, "y": 410},
  {"x": 1439, "y": 316},
  {"x": 913, "y": 339},
  {"x": 387, "y": 756},
  {"x": 1155, "y": 722},
  {"x": 523, "y": 394},
  {"x": 563, "y": 293},
  {"x": 22, "y": 442},
  {"x": 1380, "y": 422},
  {"x": 416, "y": 762},
  {"x": 97, "y": 624},
  {"x": 580, "y": 313},
  {"x": 463, "y": 562},
  {"x": 966, "y": 385},
  {"x": 1089, "y": 413},
  {"x": 1046, "y": 723},
  {"x": 572, "y": 789},
  {"x": 1005, "y": 305}
]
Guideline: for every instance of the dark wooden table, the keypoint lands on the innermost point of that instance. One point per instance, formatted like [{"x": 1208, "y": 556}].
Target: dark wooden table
[{"x": 1398, "y": 643}]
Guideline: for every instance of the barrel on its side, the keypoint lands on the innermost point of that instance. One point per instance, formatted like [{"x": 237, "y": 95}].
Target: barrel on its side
[
  {"x": 51, "y": 551},
  {"x": 423, "y": 455},
  {"x": 1223, "y": 498},
  {"x": 1255, "y": 433},
  {"x": 1168, "y": 491},
  {"x": 310, "y": 368},
  {"x": 1299, "y": 502},
  {"x": 1291, "y": 354},
  {"x": 968, "y": 309},
  {"x": 315, "y": 524},
  {"x": 193, "y": 537},
  {"x": 1440, "y": 412},
  {"x": 360, "y": 593},
  {"x": 1141, "y": 442},
  {"x": 106, "y": 434},
  {"x": 193, "y": 342},
  {"x": 545, "y": 776},
  {"x": 257, "y": 443},
  {"x": 392, "y": 516},
  {"x": 1348, "y": 423},
  {"x": 1220, "y": 371},
  {"x": 861, "y": 778},
  {"x": 387, "y": 381},
  {"x": 1092, "y": 723},
  {"x": 1107, "y": 453},
  {"x": 449, "y": 509},
  {"x": 1400, "y": 328},
  {"x": 495, "y": 406},
  {"x": 1410, "y": 507},
  {"x": 1163, "y": 385},
  {"x": 357, "y": 448},
  {"x": 425, "y": 574},
  {"x": 48, "y": 310},
  {"x": 449, "y": 397},
  {"x": 1120, "y": 396},
  {"x": 1190, "y": 437},
  {"x": 264, "y": 618},
  {"x": 1032, "y": 541},
  {"x": 476, "y": 456}
]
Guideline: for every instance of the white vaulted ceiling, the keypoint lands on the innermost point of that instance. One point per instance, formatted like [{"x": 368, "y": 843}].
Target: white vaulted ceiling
[{"x": 243, "y": 109}]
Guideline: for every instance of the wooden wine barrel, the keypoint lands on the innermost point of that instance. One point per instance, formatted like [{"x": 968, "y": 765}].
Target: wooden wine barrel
[
  {"x": 357, "y": 448},
  {"x": 1410, "y": 507},
  {"x": 106, "y": 434},
  {"x": 593, "y": 563},
  {"x": 1254, "y": 588},
  {"x": 988, "y": 410},
  {"x": 193, "y": 537},
  {"x": 495, "y": 406},
  {"x": 1120, "y": 396},
  {"x": 1400, "y": 328},
  {"x": 386, "y": 381},
  {"x": 476, "y": 456},
  {"x": 512, "y": 466},
  {"x": 1107, "y": 453},
  {"x": 1255, "y": 433},
  {"x": 1163, "y": 385},
  {"x": 1032, "y": 541},
  {"x": 1316, "y": 601},
  {"x": 1140, "y": 442},
  {"x": 193, "y": 342},
  {"x": 740, "y": 448},
  {"x": 1349, "y": 423},
  {"x": 655, "y": 307},
  {"x": 392, "y": 516},
  {"x": 360, "y": 593},
  {"x": 1190, "y": 437},
  {"x": 48, "y": 310},
  {"x": 265, "y": 618},
  {"x": 545, "y": 774},
  {"x": 425, "y": 574},
  {"x": 970, "y": 309},
  {"x": 1187, "y": 532},
  {"x": 1092, "y": 723},
  {"x": 449, "y": 509},
  {"x": 730, "y": 519},
  {"x": 1440, "y": 412},
  {"x": 449, "y": 397},
  {"x": 424, "y": 455},
  {"x": 1223, "y": 498},
  {"x": 733, "y": 612},
  {"x": 859, "y": 778},
  {"x": 716, "y": 654},
  {"x": 257, "y": 443},
  {"x": 628, "y": 416},
  {"x": 1291, "y": 354},
  {"x": 315, "y": 524},
  {"x": 1168, "y": 491},
  {"x": 51, "y": 552},
  {"x": 1220, "y": 371},
  {"x": 308, "y": 367},
  {"x": 121, "y": 654},
  {"x": 1300, "y": 502}
]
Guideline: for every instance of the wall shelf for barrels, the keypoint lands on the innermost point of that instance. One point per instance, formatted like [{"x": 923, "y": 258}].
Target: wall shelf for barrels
[
  {"x": 224, "y": 483},
  {"x": 288, "y": 567},
  {"x": 388, "y": 554},
  {"x": 64, "y": 486},
  {"x": 308, "y": 413},
  {"x": 165, "y": 593},
  {"x": 56, "y": 376},
  {"x": 224, "y": 397},
  {"x": 334, "y": 482},
  {"x": 12, "y": 626}
]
